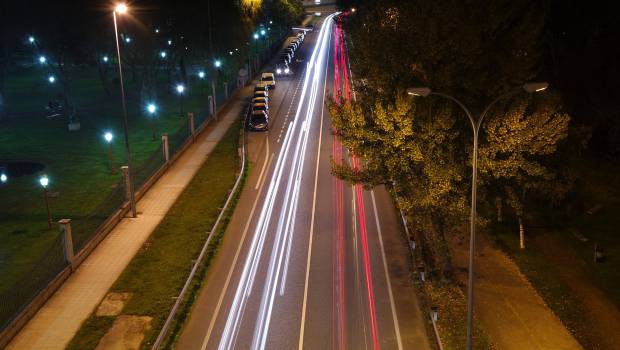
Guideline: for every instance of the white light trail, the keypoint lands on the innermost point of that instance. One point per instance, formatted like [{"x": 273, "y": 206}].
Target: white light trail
[{"x": 283, "y": 237}]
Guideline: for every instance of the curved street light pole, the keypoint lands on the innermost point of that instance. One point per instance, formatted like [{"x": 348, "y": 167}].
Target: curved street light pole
[
  {"x": 475, "y": 125},
  {"x": 132, "y": 198}
]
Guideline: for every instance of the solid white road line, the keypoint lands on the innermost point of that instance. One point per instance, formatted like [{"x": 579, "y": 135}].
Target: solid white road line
[
  {"x": 262, "y": 172},
  {"x": 387, "y": 274}
]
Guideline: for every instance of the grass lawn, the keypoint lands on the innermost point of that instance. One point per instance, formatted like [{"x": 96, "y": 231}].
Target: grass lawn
[
  {"x": 77, "y": 165},
  {"x": 157, "y": 273}
]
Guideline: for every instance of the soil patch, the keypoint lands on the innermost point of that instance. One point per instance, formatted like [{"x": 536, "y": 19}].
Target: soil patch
[
  {"x": 127, "y": 333},
  {"x": 112, "y": 304}
]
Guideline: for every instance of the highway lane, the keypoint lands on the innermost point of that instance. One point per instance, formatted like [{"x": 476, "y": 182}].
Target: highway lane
[{"x": 302, "y": 264}]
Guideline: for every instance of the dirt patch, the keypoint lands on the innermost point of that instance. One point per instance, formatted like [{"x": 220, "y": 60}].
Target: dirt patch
[
  {"x": 112, "y": 304},
  {"x": 127, "y": 333},
  {"x": 601, "y": 313}
]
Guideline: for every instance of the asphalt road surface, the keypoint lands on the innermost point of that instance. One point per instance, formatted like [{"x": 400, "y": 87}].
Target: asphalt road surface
[{"x": 307, "y": 261}]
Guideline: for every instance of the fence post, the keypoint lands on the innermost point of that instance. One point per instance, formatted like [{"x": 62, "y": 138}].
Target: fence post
[
  {"x": 192, "y": 126},
  {"x": 125, "y": 172},
  {"x": 214, "y": 100},
  {"x": 165, "y": 147},
  {"x": 226, "y": 90},
  {"x": 210, "y": 106},
  {"x": 67, "y": 240}
]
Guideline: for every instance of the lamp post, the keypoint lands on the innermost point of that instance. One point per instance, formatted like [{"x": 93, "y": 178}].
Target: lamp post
[
  {"x": 181, "y": 91},
  {"x": 151, "y": 108},
  {"x": 121, "y": 9},
  {"x": 108, "y": 136},
  {"x": 218, "y": 66},
  {"x": 475, "y": 124},
  {"x": 44, "y": 181}
]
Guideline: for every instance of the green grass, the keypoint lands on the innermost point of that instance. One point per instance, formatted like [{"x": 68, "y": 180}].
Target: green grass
[
  {"x": 157, "y": 273},
  {"x": 452, "y": 320},
  {"x": 77, "y": 165}
]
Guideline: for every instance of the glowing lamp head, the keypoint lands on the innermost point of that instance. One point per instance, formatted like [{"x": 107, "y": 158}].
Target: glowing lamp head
[
  {"x": 51, "y": 79},
  {"x": 270, "y": 22},
  {"x": 163, "y": 54},
  {"x": 105, "y": 59},
  {"x": 230, "y": 53},
  {"x": 151, "y": 108},
  {"x": 255, "y": 36},
  {"x": 201, "y": 74},
  {"x": 169, "y": 42},
  {"x": 44, "y": 181},
  {"x": 127, "y": 40},
  {"x": 263, "y": 32},
  {"x": 42, "y": 59},
  {"x": 217, "y": 63},
  {"x": 180, "y": 88},
  {"x": 121, "y": 8},
  {"x": 4, "y": 178},
  {"x": 353, "y": 9},
  {"x": 157, "y": 30},
  {"x": 108, "y": 136},
  {"x": 31, "y": 39}
]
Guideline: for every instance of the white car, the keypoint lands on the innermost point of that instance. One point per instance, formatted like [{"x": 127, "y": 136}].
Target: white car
[{"x": 268, "y": 79}]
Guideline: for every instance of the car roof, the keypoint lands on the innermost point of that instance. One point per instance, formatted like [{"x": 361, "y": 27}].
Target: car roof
[
  {"x": 259, "y": 112},
  {"x": 267, "y": 75},
  {"x": 260, "y": 104}
]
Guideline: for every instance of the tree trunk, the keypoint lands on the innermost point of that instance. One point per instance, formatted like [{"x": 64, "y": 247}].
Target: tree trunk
[
  {"x": 498, "y": 205},
  {"x": 521, "y": 234}
]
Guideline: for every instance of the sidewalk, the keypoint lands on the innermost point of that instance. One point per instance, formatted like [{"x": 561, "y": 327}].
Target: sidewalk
[
  {"x": 509, "y": 309},
  {"x": 59, "y": 319}
]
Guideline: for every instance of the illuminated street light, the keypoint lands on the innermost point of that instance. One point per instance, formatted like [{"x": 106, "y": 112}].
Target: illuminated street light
[
  {"x": 42, "y": 59},
  {"x": 163, "y": 54},
  {"x": 152, "y": 109},
  {"x": 270, "y": 22},
  {"x": 4, "y": 178},
  {"x": 157, "y": 30},
  {"x": 353, "y": 9},
  {"x": 108, "y": 137},
  {"x": 105, "y": 59},
  {"x": 45, "y": 181},
  {"x": 51, "y": 79},
  {"x": 256, "y": 36},
  {"x": 230, "y": 53},
  {"x": 127, "y": 39},
  {"x": 217, "y": 63},
  {"x": 121, "y": 8},
  {"x": 31, "y": 39},
  {"x": 263, "y": 32},
  {"x": 169, "y": 42},
  {"x": 181, "y": 90},
  {"x": 201, "y": 74}
]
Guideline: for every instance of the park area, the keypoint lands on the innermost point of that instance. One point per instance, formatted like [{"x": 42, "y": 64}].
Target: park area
[{"x": 82, "y": 184}]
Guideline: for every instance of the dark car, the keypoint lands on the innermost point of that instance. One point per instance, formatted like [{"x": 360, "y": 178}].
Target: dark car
[{"x": 259, "y": 120}]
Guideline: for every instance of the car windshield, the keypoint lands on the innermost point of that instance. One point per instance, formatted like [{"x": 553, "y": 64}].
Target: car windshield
[
  {"x": 267, "y": 78},
  {"x": 258, "y": 119}
]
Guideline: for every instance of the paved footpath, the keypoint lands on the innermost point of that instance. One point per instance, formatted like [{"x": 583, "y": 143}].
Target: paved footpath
[
  {"x": 508, "y": 307},
  {"x": 60, "y": 318}
]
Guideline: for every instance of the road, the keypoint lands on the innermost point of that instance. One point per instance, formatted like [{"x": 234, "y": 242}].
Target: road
[{"x": 307, "y": 261}]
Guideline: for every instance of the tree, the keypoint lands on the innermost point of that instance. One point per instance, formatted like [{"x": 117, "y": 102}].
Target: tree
[{"x": 514, "y": 159}]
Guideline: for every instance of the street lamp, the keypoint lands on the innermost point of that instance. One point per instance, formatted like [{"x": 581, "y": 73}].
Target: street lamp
[
  {"x": 152, "y": 109},
  {"x": 217, "y": 63},
  {"x": 256, "y": 36},
  {"x": 263, "y": 32},
  {"x": 201, "y": 74},
  {"x": 31, "y": 39},
  {"x": 181, "y": 91},
  {"x": 475, "y": 124},
  {"x": 108, "y": 136},
  {"x": 42, "y": 59},
  {"x": 169, "y": 42},
  {"x": 105, "y": 59},
  {"x": 4, "y": 178},
  {"x": 44, "y": 181},
  {"x": 163, "y": 54},
  {"x": 51, "y": 79},
  {"x": 121, "y": 9}
]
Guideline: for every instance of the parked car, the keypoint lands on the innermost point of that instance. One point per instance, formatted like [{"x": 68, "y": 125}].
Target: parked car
[
  {"x": 264, "y": 100},
  {"x": 259, "y": 120},
  {"x": 260, "y": 107},
  {"x": 263, "y": 94},
  {"x": 268, "y": 79},
  {"x": 285, "y": 57},
  {"x": 289, "y": 51},
  {"x": 261, "y": 87}
]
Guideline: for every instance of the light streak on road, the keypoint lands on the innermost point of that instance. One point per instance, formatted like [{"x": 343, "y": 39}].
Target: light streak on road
[{"x": 299, "y": 130}]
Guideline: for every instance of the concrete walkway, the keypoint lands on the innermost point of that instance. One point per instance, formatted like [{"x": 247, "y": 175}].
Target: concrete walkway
[
  {"x": 61, "y": 317},
  {"x": 508, "y": 307}
]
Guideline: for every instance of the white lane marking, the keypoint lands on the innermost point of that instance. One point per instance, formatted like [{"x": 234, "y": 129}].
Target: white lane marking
[
  {"x": 316, "y": 180},
  {"x": 248, "y": 274},
  {"x": 205, "y": 341},
  {"x": 387, "y": 274},
  {"x": 264, "y": 164}
]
